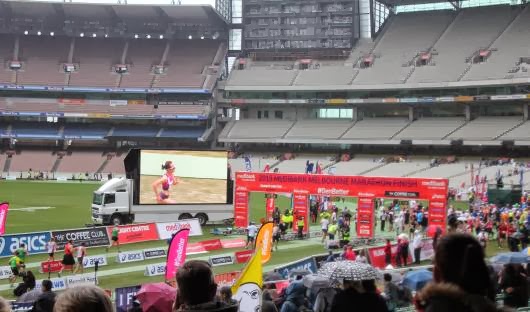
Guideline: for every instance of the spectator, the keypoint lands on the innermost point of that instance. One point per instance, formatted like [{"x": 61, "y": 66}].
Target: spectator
[
  {"x": 417, "y": 244},
  {"x": 28, "y": 283},
  {"x": 225, "y": 295},
  {"x": 349, "y": 254},
  {"x": 294, "y": 296},
  {"x": 196, "y": 289},
  {"x": 361, "y": 257},
  {"x": 514, "y": 287},
  {"x": 83, "y": 299},
  {"x": 388, "y": 252},
  {"x": 391, "y": 293},
  {"x": 267, "y": 305},
  {"x": 324, "y": 299},
  {"x": 358, "y": 296},
  {"x": 461, "y": 278},
  {"x": 46, "y": 299}
]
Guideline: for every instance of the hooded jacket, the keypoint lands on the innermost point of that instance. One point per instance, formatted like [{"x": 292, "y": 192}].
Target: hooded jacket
[{"x": 444, "y": 297}]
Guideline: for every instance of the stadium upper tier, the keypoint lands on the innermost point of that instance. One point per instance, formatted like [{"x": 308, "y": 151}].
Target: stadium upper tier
[
  {"x": 150, "y": 63},
  {"x": 419, "y": 48},
  {"x": 485, "y": 130},
  {"x": 51, "y": 131},
  {"x": 96, "y": 108}
]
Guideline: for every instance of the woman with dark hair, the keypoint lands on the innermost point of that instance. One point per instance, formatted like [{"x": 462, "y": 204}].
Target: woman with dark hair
[
  {"x": 514, "y": 287},
  {"x": 461, "y": 278},
  {"x": 165, "y": 182}
]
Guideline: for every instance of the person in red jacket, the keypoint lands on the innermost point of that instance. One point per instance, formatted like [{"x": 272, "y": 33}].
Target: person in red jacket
[
  {"x": 501, "y": 233},
  {"x": 349, "y": 254},
  {"x": 388, "y": 252}
]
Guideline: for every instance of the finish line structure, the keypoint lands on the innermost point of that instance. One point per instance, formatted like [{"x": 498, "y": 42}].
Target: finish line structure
[{"x": 366, "y": 189}]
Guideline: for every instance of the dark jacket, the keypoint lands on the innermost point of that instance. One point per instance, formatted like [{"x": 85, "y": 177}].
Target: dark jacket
[
  {"x": 214, "y": 306},
  {"x": 351, "y": 300},
  {"x": 45, "y": 302},
  {"x": 449, "y": 297}
]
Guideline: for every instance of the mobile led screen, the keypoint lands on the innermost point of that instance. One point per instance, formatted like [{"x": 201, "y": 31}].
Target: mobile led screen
[{"x": 183, "y": 177}]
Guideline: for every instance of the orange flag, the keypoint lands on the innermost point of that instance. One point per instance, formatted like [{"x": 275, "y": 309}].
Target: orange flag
[{"x": 264, "y": 242}]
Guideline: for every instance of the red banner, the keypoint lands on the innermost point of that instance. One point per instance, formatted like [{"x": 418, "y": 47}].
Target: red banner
[
  {"x": 437, "y": 215},
  {"x": 300, "y": 210},
  {"x": 195, "y": 248},
  {"x": 51, "y": 266},
  {"x": 241, "y": 207},
  {"x": 333, "y": 185},
  {"x": 269, "y": 206},
  {"x": 4, "y": 208},
  {"x": 365, "y": 217},
  {"x": 243, "y": 256},
  {"x": 212, "y": 244},
  {"x": 71, "y": 101},
  {"x": 135, "y": 233},
  {"x": 377, "y": 256},
  {"x": 226, "y": 279},
  {"x": 233, "y": 243}
]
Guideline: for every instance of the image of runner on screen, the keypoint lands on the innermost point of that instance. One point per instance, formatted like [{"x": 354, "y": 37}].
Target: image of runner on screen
[{"x": 162, "y": 185}]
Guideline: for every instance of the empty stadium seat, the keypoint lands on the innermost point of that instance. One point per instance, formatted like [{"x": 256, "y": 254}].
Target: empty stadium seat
[
  {"x": 141, "y": 56},
  {"x": 6, "y": 54},
  {"x": 485, "y": 128},
  {"x": 259, "y": 128},
  {"x": 318, "y": 129},
  {"x": 376, "y": 128},
  {"x": 466, "y": 35},
  {"x": 182, "y": 132},
  {"x": 430, "y": 128}
]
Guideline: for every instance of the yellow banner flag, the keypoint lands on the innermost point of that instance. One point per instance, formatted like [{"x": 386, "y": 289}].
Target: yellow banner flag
[
  {"x": 264, "y": 242},
  {"x": 247, "y": 288}
]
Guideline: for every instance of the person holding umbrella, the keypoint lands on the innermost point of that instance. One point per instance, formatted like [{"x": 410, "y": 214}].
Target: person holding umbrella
[{"x": 358, "y": 291}]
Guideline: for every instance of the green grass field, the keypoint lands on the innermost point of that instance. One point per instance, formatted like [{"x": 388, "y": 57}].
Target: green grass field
[{"x": 38, "y": 206}]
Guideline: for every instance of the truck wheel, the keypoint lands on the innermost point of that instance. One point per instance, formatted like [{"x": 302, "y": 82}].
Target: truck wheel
[
  {"x": 184, "y": 216},
  {"x": 115, "y": 219},
  {"x": 203, "y": 218}
]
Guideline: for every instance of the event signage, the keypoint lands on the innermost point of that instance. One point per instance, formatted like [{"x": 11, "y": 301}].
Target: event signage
[
  {"x": 233, "y": 243},
  {"x": 377, "y": 256},
  {"x": 155, "y": 269},
  {"x": 195, "y": 248},
  {"x": 166, "y": 229},
  {"x": 154, "y": 253},
  {"x": 35, "y": 243},
  {"x": 82, "y": 279},
  {"x": 269, "y": 205},
  {"x": 130, "y": 256},
  {"x": 221, "y": 260},
  {"x": 51, "y": 266},
  {"x": 4, "y": 208},
  {"x": 212, "y": 244},
  {"x": 241, "y": 206},
  {"x": 308, "y": 264},
  {"x": 365, "y": 217},
  {"x": 438, "y": 214},
  {"x": 90, "y": 261},
  {"x": 92, "y": 237},
  {"x": 59, "y": 283},
  {"x": 176, "y": 253},
  {"x": 21, "y": 306},
  {"x": 124, "y": 297},
  {"x": 300, "y": 210},
  {"x": 5, "y": 272},
  {"x": 433, "y": 191},
  {"x": 402, "y": 194},
  {"x": 135, "y": 233},
  {"x": 243, "y": 256},
  {"x": 226, "y": 279}
]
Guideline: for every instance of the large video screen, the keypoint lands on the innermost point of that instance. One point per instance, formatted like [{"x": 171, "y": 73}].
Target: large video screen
[{"x": 183, "y": 177}]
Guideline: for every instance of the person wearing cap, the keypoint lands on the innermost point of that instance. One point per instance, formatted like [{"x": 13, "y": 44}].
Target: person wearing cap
[{"x": 417, "y": 244}]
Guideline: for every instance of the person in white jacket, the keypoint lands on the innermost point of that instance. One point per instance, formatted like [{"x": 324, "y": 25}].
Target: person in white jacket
[{"x": 417, "y": 244}]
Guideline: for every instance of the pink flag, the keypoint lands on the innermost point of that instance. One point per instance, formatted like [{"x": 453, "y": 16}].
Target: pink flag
[
  {"x": 4, "y": 207},
  {"x": 176, "y": 254}
]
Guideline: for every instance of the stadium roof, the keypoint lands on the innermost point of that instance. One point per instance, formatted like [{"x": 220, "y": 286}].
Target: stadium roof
[{"x": 71, "y": 17}]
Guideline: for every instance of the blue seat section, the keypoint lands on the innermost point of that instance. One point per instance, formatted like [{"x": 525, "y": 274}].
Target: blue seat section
[
  {"x": 135, "y": 131},
  {"x": 38, "y": 131},
  {"x": 182, "y": 132},
  {"x": 86, "y": 132}
]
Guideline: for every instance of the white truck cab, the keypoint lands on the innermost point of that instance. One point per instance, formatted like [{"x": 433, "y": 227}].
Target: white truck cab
[{"x": 111, "y": 203}]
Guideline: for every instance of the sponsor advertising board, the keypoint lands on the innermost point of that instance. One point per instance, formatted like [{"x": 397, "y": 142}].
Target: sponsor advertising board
[
  {"x": 135, "y": 233},
  {"x": 155, "y": 269},
  {"x": 308, "y": 264},
  {"x": 130, "y": 256},
  {"x": 166, "y": 229},
  {"x": 92, "y": 237},
  {"x": 221, "y": 260},
  {"x": 35, "y": 243},
  {"x": 124, "y": 297}
]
